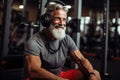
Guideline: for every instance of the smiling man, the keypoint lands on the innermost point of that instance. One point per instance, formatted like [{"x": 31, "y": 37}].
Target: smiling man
[{"x": 46, "y": 51}]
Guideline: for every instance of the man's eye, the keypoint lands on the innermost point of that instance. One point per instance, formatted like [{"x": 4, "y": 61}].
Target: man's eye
[{"x": 64, "y": 19}]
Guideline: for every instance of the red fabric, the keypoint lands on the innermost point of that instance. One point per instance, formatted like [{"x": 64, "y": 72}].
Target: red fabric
[
  {"x": 70, "y": 74},
  {"x": 27, "y": 78}
]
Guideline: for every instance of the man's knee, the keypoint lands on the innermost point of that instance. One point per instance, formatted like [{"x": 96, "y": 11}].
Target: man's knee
[{"x": 80, "y": 75}]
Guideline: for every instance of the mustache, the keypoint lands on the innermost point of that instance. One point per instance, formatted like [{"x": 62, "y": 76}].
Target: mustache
[{"x": 59, "y": 26}]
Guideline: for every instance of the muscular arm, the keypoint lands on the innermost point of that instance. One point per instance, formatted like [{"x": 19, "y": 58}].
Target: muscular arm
[
  {"x": 83, "y": 63},
  {"x": 85, "y": 66},
  {"x": 35, "y": 70}
]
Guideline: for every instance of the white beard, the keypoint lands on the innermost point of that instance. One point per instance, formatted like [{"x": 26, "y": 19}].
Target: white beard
[{"x": 58, "y": 33}]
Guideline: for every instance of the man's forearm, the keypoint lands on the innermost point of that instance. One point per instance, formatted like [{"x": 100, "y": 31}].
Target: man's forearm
[
  {"x": 83, "y": 63},
  {"x": 44, "y": 74},
  {"x": 85, "y": 66}
]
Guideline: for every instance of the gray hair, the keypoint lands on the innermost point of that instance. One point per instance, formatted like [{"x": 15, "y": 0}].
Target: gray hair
[{"x": 55, "y": 6}]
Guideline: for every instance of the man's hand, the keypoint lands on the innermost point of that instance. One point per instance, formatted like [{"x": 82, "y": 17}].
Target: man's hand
[
  {"x": 63, "y": 79},
  {"x": 94, "y": 77}
]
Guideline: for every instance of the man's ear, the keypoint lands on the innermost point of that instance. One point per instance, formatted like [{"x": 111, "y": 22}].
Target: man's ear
[{"x": 46, "y": 20}]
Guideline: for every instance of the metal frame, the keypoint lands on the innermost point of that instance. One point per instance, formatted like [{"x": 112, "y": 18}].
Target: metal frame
[
  {"x": 105, "y": 38},
  {"x": 6, "y": 26}
]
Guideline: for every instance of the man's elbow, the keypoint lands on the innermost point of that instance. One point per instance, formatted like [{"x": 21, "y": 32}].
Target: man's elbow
[{"x": 33, "y": 73}]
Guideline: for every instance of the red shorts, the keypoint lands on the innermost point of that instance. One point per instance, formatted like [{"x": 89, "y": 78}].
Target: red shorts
[{"x": 70, "y": 74}]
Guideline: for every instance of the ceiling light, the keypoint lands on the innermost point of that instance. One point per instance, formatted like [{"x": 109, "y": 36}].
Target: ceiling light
[{"x": 21, "y": 6}]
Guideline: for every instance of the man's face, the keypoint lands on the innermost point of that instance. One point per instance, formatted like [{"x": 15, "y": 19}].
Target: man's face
[{"x": 58, "y": 25}]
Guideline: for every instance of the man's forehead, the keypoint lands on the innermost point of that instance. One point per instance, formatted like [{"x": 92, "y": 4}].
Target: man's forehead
[{"x": 60, "y": 12}]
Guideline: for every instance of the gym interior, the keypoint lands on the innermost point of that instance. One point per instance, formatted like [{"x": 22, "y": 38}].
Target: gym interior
[{"x": 94, "y": 25}]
